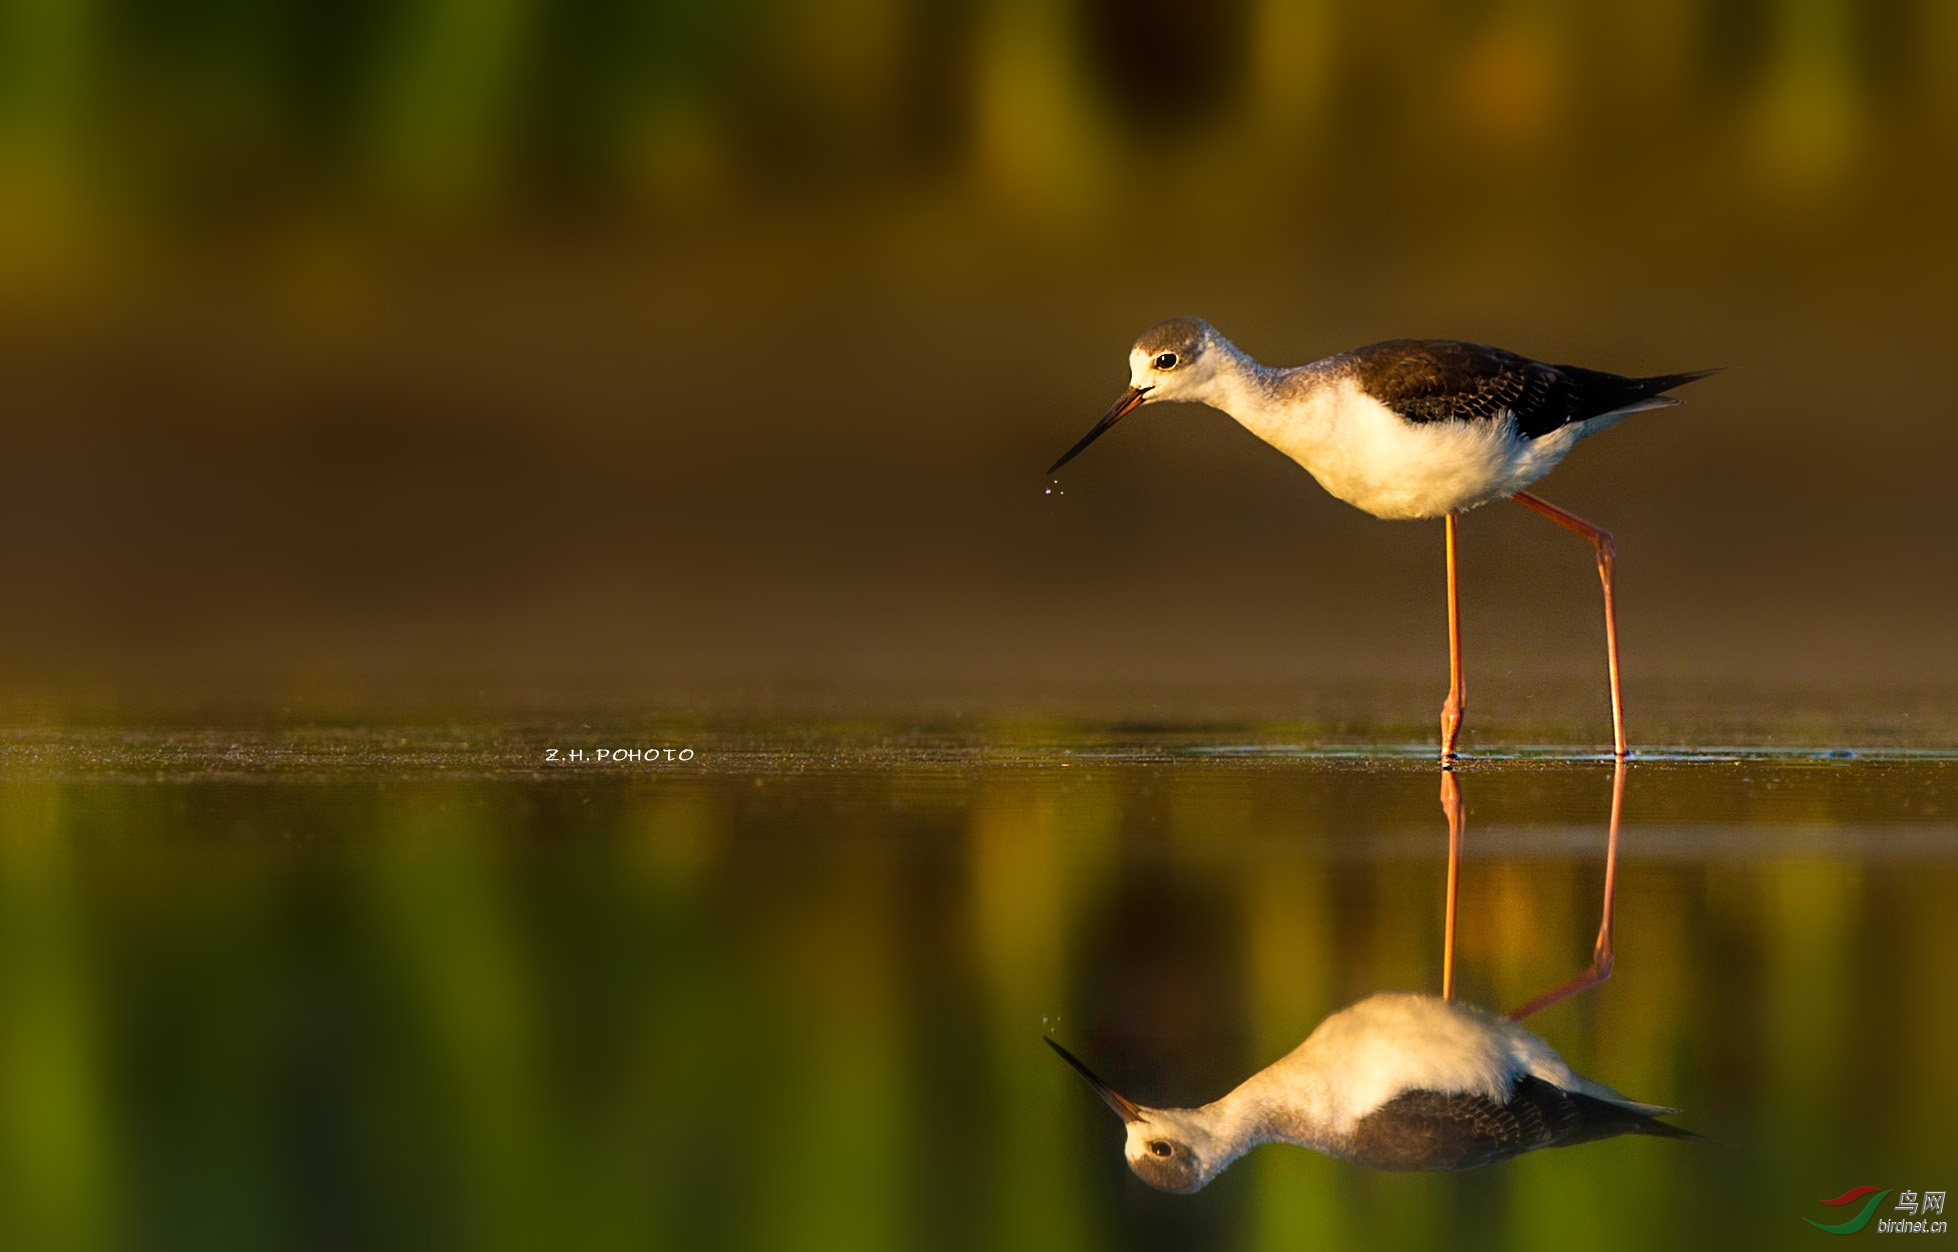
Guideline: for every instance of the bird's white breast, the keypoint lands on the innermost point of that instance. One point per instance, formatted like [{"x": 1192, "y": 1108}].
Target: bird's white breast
[
  {"x": 1362, "y": 1057},
  {"x": 1367, "y": 455}
]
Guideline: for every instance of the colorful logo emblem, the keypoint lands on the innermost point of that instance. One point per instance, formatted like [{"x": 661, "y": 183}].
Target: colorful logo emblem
[
  {"x": 1857, "y": 1222},
  {"x": 1917, "y": 1210}
]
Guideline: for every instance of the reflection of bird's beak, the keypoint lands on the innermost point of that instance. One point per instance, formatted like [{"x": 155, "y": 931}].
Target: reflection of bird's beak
[
  {"x": 1116, "y": 412},
  {"x": 1116, "y": 1100}
]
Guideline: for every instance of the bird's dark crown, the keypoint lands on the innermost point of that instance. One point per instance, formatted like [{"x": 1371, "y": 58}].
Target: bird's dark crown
[
  {"x": 1185, "y": 336},
  {"x": 1176, "y": 1171}
]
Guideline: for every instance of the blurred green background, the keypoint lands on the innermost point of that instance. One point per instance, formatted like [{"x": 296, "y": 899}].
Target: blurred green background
[
  {"x": 705, "y": 356},
  {"x": 763, "y": 1008}
]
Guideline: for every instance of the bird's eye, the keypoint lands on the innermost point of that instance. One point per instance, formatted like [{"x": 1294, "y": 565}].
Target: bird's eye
[
  {"x": 1167, "y": 361},
  {"x": 1160, "y": 1147}
]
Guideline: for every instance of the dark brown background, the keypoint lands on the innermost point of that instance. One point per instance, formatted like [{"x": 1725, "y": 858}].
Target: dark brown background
[{"x": 704, "y": 359}]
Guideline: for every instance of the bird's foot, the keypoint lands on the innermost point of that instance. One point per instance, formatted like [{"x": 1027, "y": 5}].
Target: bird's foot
[
  {"x": 1451, "y": 727},
  {"x": 1607, "y": 553}
]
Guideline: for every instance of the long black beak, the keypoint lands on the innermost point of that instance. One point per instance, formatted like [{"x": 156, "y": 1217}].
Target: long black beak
[
  {"x": 1116, "y": 412},
  {"x": 1115, "y": 1099}
]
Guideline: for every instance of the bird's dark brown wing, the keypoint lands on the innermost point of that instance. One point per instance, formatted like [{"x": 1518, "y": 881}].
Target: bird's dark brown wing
[
  {"x": 1445, "y": 380},
  {"x": 1429, "y": 1130}
]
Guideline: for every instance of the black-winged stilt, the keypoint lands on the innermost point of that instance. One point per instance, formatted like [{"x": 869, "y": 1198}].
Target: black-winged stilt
[
  {"x": 1403, "y": 1081},
  {"x": 1409, "y": 428},
  {"x": 1397, "y": 1082}
]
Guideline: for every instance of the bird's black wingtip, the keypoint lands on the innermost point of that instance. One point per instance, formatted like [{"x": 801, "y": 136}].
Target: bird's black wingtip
[
  {"x": 1666, "y": 382},
  {"x": 1666, "y": 1130}
]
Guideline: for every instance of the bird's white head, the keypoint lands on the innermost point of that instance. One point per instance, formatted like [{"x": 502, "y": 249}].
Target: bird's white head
[
  {"x": 1173, "y": 1150},
  {"x": 1170, "y": 1149},
  {"x": 1173, "y": 360}
]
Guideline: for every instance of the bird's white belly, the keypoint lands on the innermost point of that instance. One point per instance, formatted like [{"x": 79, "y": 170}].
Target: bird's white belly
[
  {"x": 1376, "y": 461},
  {"x": 1365, "y": 1055}
]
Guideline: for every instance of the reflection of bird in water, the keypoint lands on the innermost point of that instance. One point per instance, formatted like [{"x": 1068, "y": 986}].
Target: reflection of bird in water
[
  {"x": 1401, "y": 1082},
  {"x": 1409, "y": 428},
  {"x": 1404, "y": 1082}
]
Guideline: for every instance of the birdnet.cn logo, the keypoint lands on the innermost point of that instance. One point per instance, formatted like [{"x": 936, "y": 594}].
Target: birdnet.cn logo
[{"x": 1921, "y": 1214}]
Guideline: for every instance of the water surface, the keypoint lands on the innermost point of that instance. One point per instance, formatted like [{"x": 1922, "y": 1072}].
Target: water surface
[{"x": 426, "y": 987}]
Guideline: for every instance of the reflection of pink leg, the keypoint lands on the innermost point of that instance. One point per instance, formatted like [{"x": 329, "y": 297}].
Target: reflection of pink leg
[
  {"x": 1457, "y": 703},
  {"x": 1451, "y": 804},
  {"x": 1601, "y": 951},
  {"x": 1607, "y": 558}
]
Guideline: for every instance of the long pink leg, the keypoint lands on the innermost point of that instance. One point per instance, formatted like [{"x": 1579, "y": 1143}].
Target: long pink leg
[
  {"x": 1601, "y": 950},
  {"x": 1451, "y": 804},
  {"x": 1607, "y": 556},
  {"x": 1457, "y": 702}
]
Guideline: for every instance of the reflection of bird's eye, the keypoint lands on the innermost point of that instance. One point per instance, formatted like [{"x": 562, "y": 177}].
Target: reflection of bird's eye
[
  {"x": 1167, "y": 361},
  {"x": 1160, "y": 1147}
]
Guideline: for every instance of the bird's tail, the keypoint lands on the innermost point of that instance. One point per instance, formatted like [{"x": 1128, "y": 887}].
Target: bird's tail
[
  {"x": 1598, "y": 1119},
  {"x": 1634, "y": 395}
]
